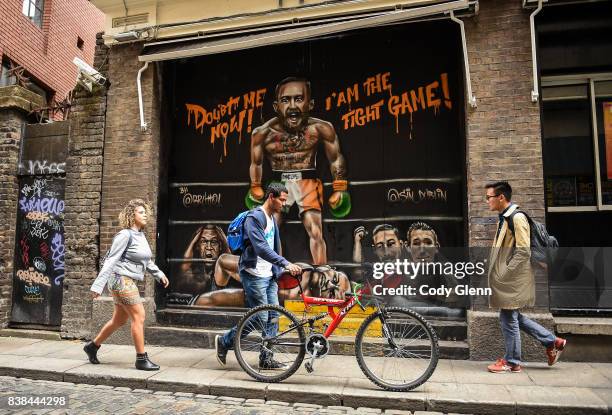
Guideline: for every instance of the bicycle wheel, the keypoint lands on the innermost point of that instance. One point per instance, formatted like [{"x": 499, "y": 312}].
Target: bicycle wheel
[
  {"x": 397, "y": 349},
  {"x": 270, "y": 343}
]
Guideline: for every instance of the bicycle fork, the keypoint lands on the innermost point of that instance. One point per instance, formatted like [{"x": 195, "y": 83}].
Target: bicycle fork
[{"x": 386, "y": 332}]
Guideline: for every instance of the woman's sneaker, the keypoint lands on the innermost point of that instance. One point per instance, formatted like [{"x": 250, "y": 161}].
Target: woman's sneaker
[
  {"x": 503, "y": 366},
  {"x": 553, "y": 353}
]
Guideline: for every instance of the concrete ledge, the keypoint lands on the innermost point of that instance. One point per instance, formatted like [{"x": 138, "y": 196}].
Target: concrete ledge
[
  {"x": 16, "y": 96},
  {"x": 486, "y": 341},
  {"x": 584, "y": 325},
  {"x": 588, "y": 348},
  {"x": 31, "y": 334}
]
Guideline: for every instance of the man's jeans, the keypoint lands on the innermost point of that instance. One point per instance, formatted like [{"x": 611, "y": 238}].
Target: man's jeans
[
  {"x": 512, "y": 322},
  {"x": 257, "y": 291}
]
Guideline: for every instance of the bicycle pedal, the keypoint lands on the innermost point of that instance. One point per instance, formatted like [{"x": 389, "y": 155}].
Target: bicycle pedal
[{"x": 308, "y": 367}]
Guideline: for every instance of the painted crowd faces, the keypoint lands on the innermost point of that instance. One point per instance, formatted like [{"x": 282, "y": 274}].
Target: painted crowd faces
[
  {"x": 423, "y": 245},
  {"x": 387, "y": 245}
]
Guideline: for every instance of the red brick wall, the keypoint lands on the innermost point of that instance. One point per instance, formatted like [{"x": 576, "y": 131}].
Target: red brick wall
[{"x": 47, "y": 52}]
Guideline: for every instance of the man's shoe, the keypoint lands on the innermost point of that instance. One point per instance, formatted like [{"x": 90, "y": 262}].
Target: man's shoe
[
  {"x": 553, "y": 353},
  {"x": 271, "y": 364},
  {"x": 503, "y": 366},
  {"x": 220, "y": 351},
  {"x": 92, "y": 352},
  {"x": 143, "y": 363}
]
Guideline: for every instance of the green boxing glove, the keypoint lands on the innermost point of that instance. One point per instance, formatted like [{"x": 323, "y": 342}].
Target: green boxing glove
[
  {"x": 254, "y": 196},
  {"x": 340, "y": 200}
]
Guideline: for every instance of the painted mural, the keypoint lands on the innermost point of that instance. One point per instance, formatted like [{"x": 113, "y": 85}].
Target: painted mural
[{"x": 365, "y": 130}]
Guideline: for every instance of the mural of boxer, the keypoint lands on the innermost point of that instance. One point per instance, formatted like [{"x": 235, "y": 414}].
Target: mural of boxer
[
  {"x": 201, "y": 255},
  {"x": 290, "y": 141},
  {"x": 324, "y": 281}
]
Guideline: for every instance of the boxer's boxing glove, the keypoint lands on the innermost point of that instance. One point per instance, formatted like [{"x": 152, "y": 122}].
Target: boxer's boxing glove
[
  {"x": 340, "y": 200},
  {"x": 254, "y": 196}
]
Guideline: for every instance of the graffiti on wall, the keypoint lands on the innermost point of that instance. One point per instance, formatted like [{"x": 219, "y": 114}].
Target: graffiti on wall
[{"x": 39, "y": 265}]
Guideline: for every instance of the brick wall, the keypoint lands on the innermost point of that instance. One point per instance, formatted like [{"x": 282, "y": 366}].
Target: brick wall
[
  {"x": 11, "y": 122},
  {"x": 47, "y": 52},
  {"x": 504, "y": 136},
  {"x": 83, "y": 198},
  {"x": 131, "y": 157}
]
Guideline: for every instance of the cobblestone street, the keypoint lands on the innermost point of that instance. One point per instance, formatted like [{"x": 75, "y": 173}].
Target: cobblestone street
[{"x": 101, "y": 399}]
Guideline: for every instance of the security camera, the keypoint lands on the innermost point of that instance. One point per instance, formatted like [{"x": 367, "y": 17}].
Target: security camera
[{"x": 89, "y": 73}]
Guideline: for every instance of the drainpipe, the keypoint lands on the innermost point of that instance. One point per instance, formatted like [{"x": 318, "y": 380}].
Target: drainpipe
[
  {"x": 534, "y": 93},
  {"x": 143, "y": 124},
  {"x": 468, "y": 80}
]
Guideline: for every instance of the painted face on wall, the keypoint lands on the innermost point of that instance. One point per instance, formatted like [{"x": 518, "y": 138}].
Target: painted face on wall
[
  {"x": 293, "y": 105},
  {"x": 387, "y": 245},
  {"x": 209, "y": 246},
  {"x": 423, "y": 245}
]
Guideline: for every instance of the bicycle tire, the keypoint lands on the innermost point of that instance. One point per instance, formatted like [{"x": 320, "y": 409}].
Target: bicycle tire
[
  {"x": 240, "y": 344},
  {"x": 366, "y": 368}
]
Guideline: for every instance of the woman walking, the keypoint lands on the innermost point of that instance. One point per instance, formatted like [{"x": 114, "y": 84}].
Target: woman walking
[{"x": 127, "y": 259}]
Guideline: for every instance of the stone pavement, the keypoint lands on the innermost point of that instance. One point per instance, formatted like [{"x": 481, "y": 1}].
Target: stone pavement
[
  {"x": 102, "y": 399},
  {"x": 456, "y": 387}
]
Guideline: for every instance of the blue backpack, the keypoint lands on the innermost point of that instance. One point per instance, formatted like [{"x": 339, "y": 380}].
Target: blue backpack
[{"x": 235, "y": 233}]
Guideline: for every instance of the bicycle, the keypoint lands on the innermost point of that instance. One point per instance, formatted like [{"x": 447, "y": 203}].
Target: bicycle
[{"x": 396, "y": 348}]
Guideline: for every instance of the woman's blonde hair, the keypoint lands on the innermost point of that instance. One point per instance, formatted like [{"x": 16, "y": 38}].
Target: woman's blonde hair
[{"x": 126, "y": 217}]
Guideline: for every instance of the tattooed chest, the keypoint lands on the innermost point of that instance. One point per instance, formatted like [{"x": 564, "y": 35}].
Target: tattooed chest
[{"x": 303, "y": 141}]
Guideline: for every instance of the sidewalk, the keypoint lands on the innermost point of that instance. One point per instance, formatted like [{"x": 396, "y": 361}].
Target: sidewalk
[{"x": 457, "y": 386}]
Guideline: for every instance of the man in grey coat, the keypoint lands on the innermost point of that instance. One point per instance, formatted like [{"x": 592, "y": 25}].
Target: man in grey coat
[{"x": 512, "y": 282}]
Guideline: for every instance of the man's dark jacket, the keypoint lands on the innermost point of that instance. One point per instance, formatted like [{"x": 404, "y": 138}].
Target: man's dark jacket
[{"x": 257, "y": 246}]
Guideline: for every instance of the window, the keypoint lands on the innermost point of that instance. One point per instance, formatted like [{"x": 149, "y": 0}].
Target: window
[
  {"x": 5, "y": 78},
  {"x": 577, "y": 143},
  {"x": 34, "y": 10},
  {"x": 80, "y": 43}
]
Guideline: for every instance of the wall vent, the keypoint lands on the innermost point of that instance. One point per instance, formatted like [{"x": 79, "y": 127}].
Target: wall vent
[{"x": 131, "y": 20}]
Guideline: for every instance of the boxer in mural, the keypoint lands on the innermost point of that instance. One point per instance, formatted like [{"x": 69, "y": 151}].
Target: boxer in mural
[
  {"x": 206, "y": 246},
  {"x": 289, "y": 142},
  {"x": 323, "y": 282}
]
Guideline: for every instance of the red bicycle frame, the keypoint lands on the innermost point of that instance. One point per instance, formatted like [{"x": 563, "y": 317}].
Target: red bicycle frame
[{"x": 346, "y": 306}]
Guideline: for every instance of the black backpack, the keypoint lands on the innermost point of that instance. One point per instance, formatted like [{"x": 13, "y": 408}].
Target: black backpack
[{"x": 543, "y": 245}]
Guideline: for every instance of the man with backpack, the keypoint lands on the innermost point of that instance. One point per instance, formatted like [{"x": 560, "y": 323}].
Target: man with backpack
[
  {"x": 512, "y": 282},
  {"x": 260, "y": 265}
]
